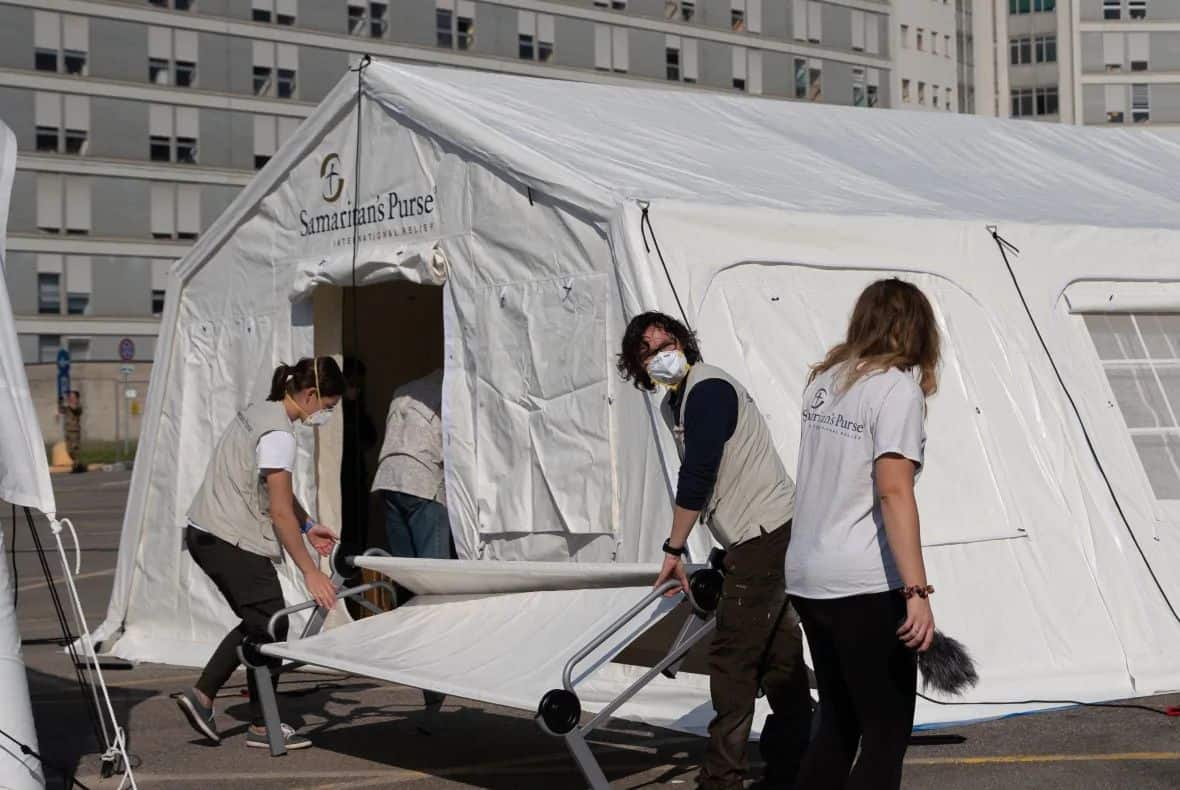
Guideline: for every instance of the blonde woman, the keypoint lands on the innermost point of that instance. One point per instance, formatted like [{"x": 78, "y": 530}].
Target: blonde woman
[{"x": 854, "y": 567}]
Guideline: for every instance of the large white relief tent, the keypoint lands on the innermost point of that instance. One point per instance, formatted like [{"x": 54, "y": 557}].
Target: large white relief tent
[{"x": 525, "y": 201}]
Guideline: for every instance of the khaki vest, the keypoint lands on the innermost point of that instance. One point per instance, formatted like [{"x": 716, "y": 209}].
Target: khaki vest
[
  {"x": 233, "y": 502},
  {"x": 753, "y": 491}
]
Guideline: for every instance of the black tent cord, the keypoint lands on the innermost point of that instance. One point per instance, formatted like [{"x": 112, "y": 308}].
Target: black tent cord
[
  {"x": 1004, "y": 246},
  {"x": 357, "y": 453},
  {"x": 646, "y": 220}
]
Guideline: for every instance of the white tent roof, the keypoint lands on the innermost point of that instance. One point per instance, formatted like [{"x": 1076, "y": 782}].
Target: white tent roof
[{"x": 769, "y": 217}]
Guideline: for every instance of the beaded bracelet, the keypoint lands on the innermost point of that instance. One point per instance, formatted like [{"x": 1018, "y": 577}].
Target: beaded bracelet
[{"x": 918, "y": 590}]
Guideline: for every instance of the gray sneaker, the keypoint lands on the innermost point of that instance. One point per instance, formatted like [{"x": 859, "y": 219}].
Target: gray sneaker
[
  {"x": 200, "y": 717},
  {"x": 291, "y": 739}
]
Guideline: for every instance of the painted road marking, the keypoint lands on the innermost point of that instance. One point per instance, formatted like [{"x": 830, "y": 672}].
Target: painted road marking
[{"x": 1010, "y": 759}]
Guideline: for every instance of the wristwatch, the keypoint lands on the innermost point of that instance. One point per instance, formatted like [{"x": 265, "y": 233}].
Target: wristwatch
[{"x": 672, "y": 550}]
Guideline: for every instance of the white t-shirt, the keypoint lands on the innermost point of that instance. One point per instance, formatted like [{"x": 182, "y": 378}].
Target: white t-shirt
[
  {"x": 275, "y": 450},
  {"x": 838, "y": 545}
]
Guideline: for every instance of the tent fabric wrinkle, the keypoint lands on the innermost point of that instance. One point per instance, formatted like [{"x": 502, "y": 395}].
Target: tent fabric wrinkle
[{"x": 525, "y": 200}]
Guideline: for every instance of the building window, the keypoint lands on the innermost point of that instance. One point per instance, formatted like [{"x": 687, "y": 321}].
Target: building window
[
  {"x": 61, "y": 43},
  {"x": 1047, "y": 101},
  {"x": 1046, "y": 49},
  {"x": 172, "y": 57},
  {"x": 176, "y": 211},
  {"x": 611, "y": 48},
  {"x": 815, "y": 76},
  {"x": 262, "y": 78},
  {"x": 535, "y": 36},
  {"x": 934, "y": 95},
  {"x": 1138, "y": 50},
  {"x": 58, "y": 131},
  {"x": 1044, "y": 6},
  {"x": 1137, "y": 9},
  {"x": 78, "y": 285},
  {"x": 905, "y": 90},
  {"x": 1112, "y": 9},
  {"x": 1140, "y": 104},
  {"x": 1140, "y": 354},
  {"x": 368, "y": 18},
  {"x": 684, "y": 10},
  {"x": 286, "y": 83},
  {"x": 179, "y": 5},
  {"x": 946, "y": 46},
  {"x": 1116, "y": 103},
  {"x": 1112, "y": 51},
  {"x": 873, "y": 90},
  {"x": 263, "y": 10},
  {"x": 949, "y": 101},
  {"x": 455, "y": 24},
  {"x": 49, "y": 293},
  {"x": 1019, "y": 7},
  {"x": 933, "y": 42},
  {"x": 745, "y": 16},
  {"x": 79, "y": 348},
  {"x": 920, "y": 40},
  {"x": 800, "y": 78},
  {"x": 275, "y": 68},
  {"x": 921, "y": 92},
  {"x": 158, "y": 302},
  {"x": 173, "y": 134},
  {"x": 858, "y": 30},
  {"x": 47, "y": 347},
  {"x": 859, "y": 92},
  {"x": 1020, "y": 51},
  {"x": 614, "y": 5},
  {"x": 672, "y": 59},
  {"x": 1022, "y": 103},
  {"x": 808, "y": 21}
]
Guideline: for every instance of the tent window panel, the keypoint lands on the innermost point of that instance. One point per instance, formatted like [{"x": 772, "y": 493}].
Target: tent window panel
[
  {"x": 542, "y": 380},
  {"x": 1140, "y": 354}
]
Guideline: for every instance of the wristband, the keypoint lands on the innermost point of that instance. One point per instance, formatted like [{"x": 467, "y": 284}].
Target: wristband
[
  {"x": 670, "y": 550},
  {"x": 922, "y": 591},
  {"x": 306, "y": 526}
]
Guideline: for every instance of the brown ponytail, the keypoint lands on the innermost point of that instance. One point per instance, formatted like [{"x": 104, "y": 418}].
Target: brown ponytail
[{"x": 307, "y": 373}]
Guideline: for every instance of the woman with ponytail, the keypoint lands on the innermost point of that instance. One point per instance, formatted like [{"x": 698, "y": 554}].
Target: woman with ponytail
[{"x": 243, "y": 519}]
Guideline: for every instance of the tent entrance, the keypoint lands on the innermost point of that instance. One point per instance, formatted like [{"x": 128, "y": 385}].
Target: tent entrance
[{"x": 390, "y": 333}]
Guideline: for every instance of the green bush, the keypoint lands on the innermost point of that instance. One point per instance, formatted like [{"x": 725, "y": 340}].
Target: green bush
[{"x": 101, "y": 452}]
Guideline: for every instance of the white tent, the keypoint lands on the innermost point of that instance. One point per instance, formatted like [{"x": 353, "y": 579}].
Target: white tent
[
  {"x": 24, "y": 481},
  {"x": 525, "y": 201}
]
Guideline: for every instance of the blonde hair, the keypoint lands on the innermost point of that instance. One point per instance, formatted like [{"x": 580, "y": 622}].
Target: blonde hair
[{"x": 892, "y": 326}]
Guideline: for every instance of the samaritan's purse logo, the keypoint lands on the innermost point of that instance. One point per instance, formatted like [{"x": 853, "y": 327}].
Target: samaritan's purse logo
[
  {"x": 333, "y": 181},
  {"x": 821, "y": 395}
]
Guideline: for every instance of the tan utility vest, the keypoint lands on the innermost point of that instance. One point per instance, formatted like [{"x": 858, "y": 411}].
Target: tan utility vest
[
  {"x": 753, "y": 491},
  {"x": 233, "y": 502}
]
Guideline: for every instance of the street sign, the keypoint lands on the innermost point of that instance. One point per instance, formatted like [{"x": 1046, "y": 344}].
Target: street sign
[
  {"x": 127, "y": 370},
  {"x": 130, "y": 394},
  {"x": 63, "y": 373},
  {"x": 126, "y": 349}
]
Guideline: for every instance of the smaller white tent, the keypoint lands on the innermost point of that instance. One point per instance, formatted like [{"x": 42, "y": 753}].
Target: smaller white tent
[
  {"x": 24, "y": 481},
  {"x": 549, "y": 213}
]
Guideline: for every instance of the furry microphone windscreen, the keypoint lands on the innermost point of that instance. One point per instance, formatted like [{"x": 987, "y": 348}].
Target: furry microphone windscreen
[{"x": 946, "y": 666}]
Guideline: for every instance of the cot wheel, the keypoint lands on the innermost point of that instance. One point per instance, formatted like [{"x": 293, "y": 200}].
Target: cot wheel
[
  {"x": 559, "y": 712},
  {"x": 705, "y": 586}
]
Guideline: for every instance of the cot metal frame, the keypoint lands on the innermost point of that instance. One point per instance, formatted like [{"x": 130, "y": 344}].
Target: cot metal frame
[
  {"x": 559, "y": 712},
  {"x": 255, "y": 661}
]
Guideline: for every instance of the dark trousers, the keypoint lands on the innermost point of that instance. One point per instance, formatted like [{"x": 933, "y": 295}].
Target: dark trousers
[
  {"x": 756, "y": 644},
  {"x": 416, "y": 527},
  {"x": 867, "y": 681},
  {"x": 250, "y": 586}
]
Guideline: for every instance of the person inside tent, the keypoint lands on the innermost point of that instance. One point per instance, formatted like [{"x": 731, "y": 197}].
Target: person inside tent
[
  {"x": 732, "y": 479},
  {"x": 854, "y": 569},
  {"x": 243, "y": 518}
]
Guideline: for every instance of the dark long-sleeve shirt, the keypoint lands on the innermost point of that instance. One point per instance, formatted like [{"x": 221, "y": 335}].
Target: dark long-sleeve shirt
[{"x": 710, "y": 418}]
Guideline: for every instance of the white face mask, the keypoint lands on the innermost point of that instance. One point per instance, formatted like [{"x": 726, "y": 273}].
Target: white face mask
[
  {"x": 668, "y": 367},
  {"x": 321, "y": 417}
]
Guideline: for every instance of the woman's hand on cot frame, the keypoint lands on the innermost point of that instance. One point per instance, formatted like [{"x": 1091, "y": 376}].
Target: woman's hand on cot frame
[
  {"x": 322, "y": 539},
  {"x": 894, "y": 481}
]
